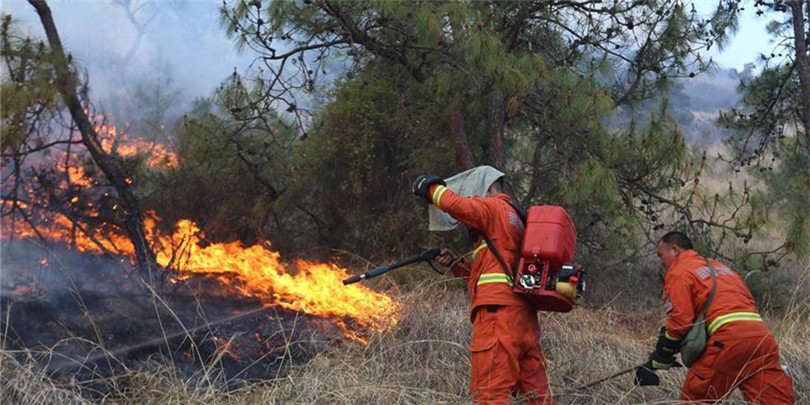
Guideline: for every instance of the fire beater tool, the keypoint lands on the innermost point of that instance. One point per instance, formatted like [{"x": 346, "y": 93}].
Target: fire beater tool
[
  {"x": 616, "y": 374},
  {"x": 425, "y": 256},
  {"x": 610, "y": 377}
]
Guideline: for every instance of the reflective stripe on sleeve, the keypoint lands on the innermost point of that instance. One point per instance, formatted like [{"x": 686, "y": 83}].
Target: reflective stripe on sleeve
[
  {"x": 437, "y": 194},
  {"x": 670, "y": 337},
  {"x": 494, "y": 278},
  {"x": 478, "y": 249},
  {"x": 733, "y": 317}
]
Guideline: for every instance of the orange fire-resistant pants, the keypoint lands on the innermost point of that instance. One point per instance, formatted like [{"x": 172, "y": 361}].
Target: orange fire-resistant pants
[
  {"x": 506, "y": 356},
  {"x": 739, "y": 355}
]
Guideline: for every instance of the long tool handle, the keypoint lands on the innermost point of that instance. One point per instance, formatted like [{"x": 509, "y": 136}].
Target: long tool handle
[
  {"x": 612, "y": 376},
  {"x": 425, "y": 256}
]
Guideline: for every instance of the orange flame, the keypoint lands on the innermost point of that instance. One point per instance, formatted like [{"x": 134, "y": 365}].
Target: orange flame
[
  {"x": 255, "y": 271},
  {"x": 226, "y": 348},
  {"x": 113, "y": 141},
  {"x": 316, "y": 288}
]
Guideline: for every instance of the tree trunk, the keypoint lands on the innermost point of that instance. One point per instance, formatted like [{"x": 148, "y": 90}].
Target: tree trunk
[
  {"x": 536, "y": 191},
  {"x": 799, "y": 35},
  {"x": 459, "y": 136},
  {"x": 133, "y": 220},
  {"x": 496, "y": 115}
]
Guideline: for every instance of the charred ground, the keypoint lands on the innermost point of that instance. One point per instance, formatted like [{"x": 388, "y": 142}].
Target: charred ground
[{"x": 85, "y": 318}]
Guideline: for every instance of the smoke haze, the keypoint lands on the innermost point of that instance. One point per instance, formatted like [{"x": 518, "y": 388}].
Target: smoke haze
[{"x": 182, "y": 49}]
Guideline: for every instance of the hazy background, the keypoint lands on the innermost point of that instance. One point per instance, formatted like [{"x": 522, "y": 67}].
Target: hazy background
[
  {"x": 182, "y": 48},
  {"x": 183, "y": 51}
]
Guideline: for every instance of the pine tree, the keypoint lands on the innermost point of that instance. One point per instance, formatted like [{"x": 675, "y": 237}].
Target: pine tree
[
  {"x": 523, "y": 86},
  {"x": 479, "y": 61},
  {"x": 770, "y": 130}
]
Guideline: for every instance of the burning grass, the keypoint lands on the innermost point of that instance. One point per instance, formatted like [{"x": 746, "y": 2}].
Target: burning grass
[
  {"x": 89, "y": 320},
  {"x": 254, "y": 272},
  {"x": 424, "y": 359},
  {"x": 63, "y": 203}
]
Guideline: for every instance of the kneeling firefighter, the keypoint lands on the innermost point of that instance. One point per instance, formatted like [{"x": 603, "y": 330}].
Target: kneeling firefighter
[
  {"x": 703, "y": 297},
  {"x": 505, "y": 348}
]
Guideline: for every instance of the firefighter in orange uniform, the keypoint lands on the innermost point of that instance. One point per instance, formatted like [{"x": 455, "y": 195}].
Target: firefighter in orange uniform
[
  {"x": 740, "y": 351},
  {"x": 505, "y": 347}
]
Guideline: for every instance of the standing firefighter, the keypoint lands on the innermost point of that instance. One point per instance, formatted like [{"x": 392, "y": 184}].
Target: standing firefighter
[
  {"x": 505, "y": 348},
  {"x": 740, "y": 350}
]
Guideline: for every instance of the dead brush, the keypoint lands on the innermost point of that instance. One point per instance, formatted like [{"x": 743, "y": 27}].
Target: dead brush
[
  {"x": 28, "y": 382},
  {"x": 25, "y": 383},
  {"x": 424, "y": 359}
]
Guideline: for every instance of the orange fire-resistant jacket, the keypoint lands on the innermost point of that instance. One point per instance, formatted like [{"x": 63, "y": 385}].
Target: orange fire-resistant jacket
[
  {"x": 488, "y": 283},
  {"x": 740, "y": 352},
  {"x": 687, "y": 286}
]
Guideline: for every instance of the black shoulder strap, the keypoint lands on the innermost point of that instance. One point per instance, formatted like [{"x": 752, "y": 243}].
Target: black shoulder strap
[
  {"x": 520, "y": 212},
  {"x": 494, "y": 250},
  {"x": 714, "y": 289}
]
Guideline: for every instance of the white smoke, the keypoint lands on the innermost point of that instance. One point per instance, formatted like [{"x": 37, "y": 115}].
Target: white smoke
[{"x": 182, "y": 48}]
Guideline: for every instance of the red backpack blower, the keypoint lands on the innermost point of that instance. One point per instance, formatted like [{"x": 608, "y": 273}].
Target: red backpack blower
[{"x": 545, "y": 274}]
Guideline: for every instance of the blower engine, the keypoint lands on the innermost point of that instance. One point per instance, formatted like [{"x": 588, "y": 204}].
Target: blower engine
[{"x": 545, "y": 273}]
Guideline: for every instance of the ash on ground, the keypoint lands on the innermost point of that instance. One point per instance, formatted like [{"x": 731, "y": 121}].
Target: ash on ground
[{"x": 84, "y": 317}]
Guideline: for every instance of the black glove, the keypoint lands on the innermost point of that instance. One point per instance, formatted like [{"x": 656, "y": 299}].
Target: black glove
[
  {"x": 421, "y": 186},
  {"x": 646, "y": 375},
  {"x": 664, "y": 355}
]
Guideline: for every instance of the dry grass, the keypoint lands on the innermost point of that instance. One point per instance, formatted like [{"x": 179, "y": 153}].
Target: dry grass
[{"x": 424, "y": 360}]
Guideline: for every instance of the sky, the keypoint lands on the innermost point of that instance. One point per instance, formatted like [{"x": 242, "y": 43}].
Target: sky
[
  {"x": 746, "y": 45},
  {"x": 185, "y": 41}
]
